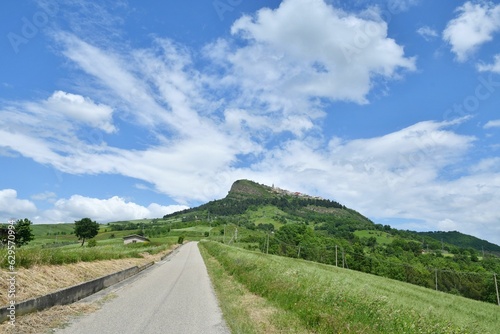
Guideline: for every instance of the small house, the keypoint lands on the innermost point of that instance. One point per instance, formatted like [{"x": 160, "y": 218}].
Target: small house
[{"x": 134, "y": 238}]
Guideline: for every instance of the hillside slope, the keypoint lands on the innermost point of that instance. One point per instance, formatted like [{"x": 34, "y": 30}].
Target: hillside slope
[
  {"x": 462, "y": 240},
  {"x": 313, "y": 298}
]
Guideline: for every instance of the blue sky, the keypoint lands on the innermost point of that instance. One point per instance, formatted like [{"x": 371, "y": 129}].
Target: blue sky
[{"x": 125, "y": 109}]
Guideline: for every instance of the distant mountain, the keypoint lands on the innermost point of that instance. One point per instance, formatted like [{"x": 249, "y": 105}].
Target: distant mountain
[{"x": 462, "y": 240}]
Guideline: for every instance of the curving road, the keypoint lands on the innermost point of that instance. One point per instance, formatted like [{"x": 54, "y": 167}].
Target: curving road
[{"x": 176, "y": 296}]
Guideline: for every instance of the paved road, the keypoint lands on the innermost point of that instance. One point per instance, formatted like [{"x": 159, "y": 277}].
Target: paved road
[{"x": 174, "y": 297}]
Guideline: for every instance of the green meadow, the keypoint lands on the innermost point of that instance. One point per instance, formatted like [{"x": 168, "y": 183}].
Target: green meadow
[
  {"x": 383, "y": 238},
  {"x": 312, "y": 297},
  {"x": 57, "y": 244}
]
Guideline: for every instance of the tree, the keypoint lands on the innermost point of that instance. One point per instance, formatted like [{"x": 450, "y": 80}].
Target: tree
[
  {"x": 86, "y": 229},
  {"x": 24, "y": 233}
]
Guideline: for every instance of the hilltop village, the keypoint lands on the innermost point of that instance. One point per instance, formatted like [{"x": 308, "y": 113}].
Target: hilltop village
[{"x": 280, "y": 191}]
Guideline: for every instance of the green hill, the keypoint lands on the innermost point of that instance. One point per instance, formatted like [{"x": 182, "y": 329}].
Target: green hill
[
  {"x": 287, "y": 223},
  {"x": 463, "y": 240},
  {"x": 246, "y": 196}
]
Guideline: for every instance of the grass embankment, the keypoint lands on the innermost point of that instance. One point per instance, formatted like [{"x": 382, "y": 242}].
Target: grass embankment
[{"x": 327, "y": 299}]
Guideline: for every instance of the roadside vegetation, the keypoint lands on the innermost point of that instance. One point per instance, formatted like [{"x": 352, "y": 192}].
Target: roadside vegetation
[
  {"x": 71, "y": 243},
  {"x": 327, "y": 299}
]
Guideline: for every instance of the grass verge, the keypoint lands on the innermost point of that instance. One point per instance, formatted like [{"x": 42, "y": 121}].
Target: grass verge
[
  {"x": 245, "y": 312},
  {"x": 327, "y": 299}
]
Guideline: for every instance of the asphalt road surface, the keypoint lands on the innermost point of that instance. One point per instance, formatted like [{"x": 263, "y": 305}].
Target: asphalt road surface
[{"x": 174, "y": 297}]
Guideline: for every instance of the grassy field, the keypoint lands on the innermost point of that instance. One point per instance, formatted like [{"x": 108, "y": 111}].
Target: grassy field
[
  {"x": 265, "y": 215},
  {"x": 57, "y": 243},
  {"x": 325, "y": 299},
  {"x": 106, "y": 249},
  {"x": 383, "y": 238}
]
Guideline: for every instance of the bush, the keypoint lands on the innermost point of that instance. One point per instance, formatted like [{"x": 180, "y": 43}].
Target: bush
[
  {"x": 180, "y": 240},
  {"x": 92, "y": 243},
  {"x": 207, "y": 234}
]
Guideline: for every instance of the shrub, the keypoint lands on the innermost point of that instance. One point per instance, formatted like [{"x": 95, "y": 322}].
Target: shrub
[
  {"x": 181, "y": 239},
  {"x": 92, "y": 243}
]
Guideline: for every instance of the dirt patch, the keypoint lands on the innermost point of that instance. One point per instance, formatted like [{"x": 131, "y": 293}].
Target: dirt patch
[
  {"x": 259, "y": 311},
  {"x": 44, "y": 321}
]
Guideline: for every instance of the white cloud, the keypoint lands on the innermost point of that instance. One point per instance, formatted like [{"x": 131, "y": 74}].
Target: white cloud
[
  {"x": 492, "y": 124},
  {"x": 493, "y": 67},
  {"x": 79, "y": 108},
  {"x": 488, "y": 165},
  {"x": 190, "y": 121},
  {"x": 104, "y": 210},
  {"x": 13, "y": 207},
  {"x": 475, "y": 24},
  {"x": 306, "y": 49},
  {"x": 396, "y": 6},
  {"x": 427, "y": 33},
  {"x": 45, "y": 196}
]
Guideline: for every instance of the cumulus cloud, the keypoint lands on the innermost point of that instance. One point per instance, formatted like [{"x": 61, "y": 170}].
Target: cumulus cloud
[
  {"x": 67, "y": 210},
  {"x": 493, "y": 67},
  {"x": 307, "y": 48},
  {"x": 475, "y": 24},
  {"x": 13, "y": 207},
  {"x": 104, "y": 210},
  {"x": 81, "y": 109}
]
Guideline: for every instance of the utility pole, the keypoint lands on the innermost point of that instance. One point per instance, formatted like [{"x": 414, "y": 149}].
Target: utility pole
[
  {"x": 236, "y": 235},
  {"x": 436, "y": 273},
  {"x": 267, "y": 246},
  {"x": 496, "y": 287},
  {"x": 336, "y": 262},
  {"x": 298, "y": 254}
]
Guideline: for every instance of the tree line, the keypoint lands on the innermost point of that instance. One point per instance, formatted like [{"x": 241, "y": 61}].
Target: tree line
[{"x": 462, "y": 274}]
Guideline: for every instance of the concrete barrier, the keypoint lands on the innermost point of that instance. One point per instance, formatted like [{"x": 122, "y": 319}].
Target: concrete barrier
[{"x": 71, "y": 294}]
